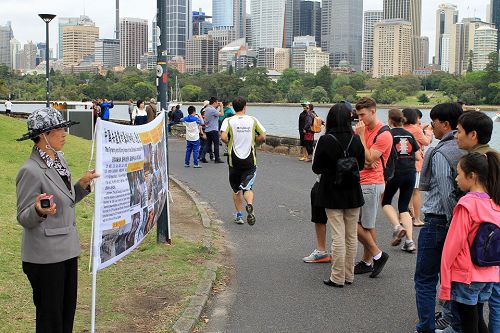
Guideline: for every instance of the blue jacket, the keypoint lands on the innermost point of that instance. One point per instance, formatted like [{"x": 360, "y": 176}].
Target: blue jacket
[{"x": 105, "y": 106}]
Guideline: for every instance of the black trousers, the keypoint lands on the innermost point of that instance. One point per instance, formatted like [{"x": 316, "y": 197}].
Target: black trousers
[
  {"x": 54, "y": 294},
  {"x": 212, "y": 138}
]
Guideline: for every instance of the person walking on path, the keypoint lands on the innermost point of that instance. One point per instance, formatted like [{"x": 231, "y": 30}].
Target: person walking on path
[
  {"x": 308, "y": 132},
  {"x": 131, "y": 107},
  {"x": 8, "y": 107},
  {"x": 377, "y": 145},
  {"x": 151, "y": 110},
  {"x": 437, "y": 179},
  {"x": 240, "y": 133},
  {"x": 304, "y": 119},
  {"x": 424, "y": 138},
  {"x": 474, "y": 132},
  {"x": 139, "y": 115},
  {"x": 340, "y": 194},
  {"x": 469, "y": 286},
  {"x": 46, "y": 201},
  {"x": 212, "y": 113},
  {"x": 404, "y": 180},
  {"x": 193, "y": 126}
]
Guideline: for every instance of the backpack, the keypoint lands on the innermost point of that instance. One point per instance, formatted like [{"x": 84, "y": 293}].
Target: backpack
[
  {"x": 485, "y": 249},
  {"x": 389, "y": 166},
  {"x": 316, "y": 124},
  {"x": 347, "y": 172}
]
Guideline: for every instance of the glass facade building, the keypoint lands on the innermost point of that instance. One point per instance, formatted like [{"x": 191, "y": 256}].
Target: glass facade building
[{"x": 179, "y": 26}]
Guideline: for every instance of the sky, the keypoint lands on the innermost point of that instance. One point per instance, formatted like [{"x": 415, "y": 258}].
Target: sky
[{"x": 27, "y": 26}]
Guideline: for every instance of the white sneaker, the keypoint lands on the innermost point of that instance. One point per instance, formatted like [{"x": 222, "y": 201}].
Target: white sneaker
[{"x": 317, "y": 256}]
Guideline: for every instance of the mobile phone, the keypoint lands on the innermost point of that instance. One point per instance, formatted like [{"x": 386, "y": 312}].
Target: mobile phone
[{"x": 47, "y": 201}]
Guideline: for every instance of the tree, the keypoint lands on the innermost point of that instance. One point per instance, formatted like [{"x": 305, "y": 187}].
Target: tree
[
  {"x": 144, "y": 90},
  {"x": 191, "y": 93},
  {"x": 324, "y": 78},
  {"x": 423, "y": 99},
  {"x": 347, "y": 93},
  {"x": 319, "y": 94},
  {"x": 388, "y": 96},
  {"x": 372, "y": 84},
  {"x": 471, "y": 57},
  {"x": 358, "y": 80},
  {"x": 294, "y": 94},
  {"x": 289, "y": 76}
]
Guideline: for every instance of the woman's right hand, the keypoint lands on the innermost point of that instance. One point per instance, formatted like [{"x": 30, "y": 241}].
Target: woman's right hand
[{"x": 44, "y": 211}]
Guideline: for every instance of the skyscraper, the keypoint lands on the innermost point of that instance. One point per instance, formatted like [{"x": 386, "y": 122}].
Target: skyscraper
[
  {"x": 272, "y": 24},
  {"x": 446, "y": 18},
  {"x": 133, "y": 40},
  {"x": 6, "y": 35},
  {"x": 411, "y": 11},
  {"x": 70, "y": 21},
  {"x": 15, "y": 48},
  {"x": 202, "y": 54},
  {"x": 179, "y": 26},
  {"x": 230, "y": 14},
  {"x": 370, "y": 18},
  {"x": 310, "y": 20},
  {"x": 200, "y": 24},
  {"x": 392, "y": 48},
  {"x": 485, "y": 39},
  {"x": 342, "y": 31},
  {"x": 79, "y": 41},
  {"x": 107, "y": 52},
  {"x": 495, "y": 17}
]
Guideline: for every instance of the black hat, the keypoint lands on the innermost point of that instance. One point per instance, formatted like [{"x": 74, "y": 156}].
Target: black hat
[{"x": 45, "y": 120}]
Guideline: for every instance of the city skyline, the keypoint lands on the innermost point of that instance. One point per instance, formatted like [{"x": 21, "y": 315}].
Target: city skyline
[{"x": 27, "y": 11}]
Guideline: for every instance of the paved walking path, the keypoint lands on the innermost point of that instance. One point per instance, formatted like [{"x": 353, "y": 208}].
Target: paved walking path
[{"x": 272, "y": 289}]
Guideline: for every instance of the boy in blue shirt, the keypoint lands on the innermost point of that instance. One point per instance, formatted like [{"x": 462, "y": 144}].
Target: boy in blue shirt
[{"x": 193, "y": 123}]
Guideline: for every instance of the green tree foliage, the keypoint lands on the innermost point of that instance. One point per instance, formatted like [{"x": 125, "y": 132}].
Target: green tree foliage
[
  {"x": 288, "y": 77},
  {"x": 423, "y": 99},
  {"x": 319, "y": 94},
  {"x": 324, "y": 78},
  {"x": 388, "y": 95},
  {"x": 144, "y": 90},
  {"x": 191, "y": 93},
  {"x": 347, "y": 93},
  {"x": 295, "y": 92}
]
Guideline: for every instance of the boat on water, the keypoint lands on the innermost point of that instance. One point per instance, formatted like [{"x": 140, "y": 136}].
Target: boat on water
[{"x": 175, "y": 97}]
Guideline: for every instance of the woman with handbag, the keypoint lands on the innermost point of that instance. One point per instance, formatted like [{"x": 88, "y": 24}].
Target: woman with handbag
[{"x": 338, "y": 158}]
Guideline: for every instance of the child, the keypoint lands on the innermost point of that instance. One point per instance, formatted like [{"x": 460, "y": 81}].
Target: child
[
  {"x": 468, "y": 285},
  {"x": 192, "y": 123}
]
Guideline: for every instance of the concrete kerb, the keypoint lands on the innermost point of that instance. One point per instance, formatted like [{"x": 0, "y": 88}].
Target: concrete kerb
[{"x": 192, "y": 314}]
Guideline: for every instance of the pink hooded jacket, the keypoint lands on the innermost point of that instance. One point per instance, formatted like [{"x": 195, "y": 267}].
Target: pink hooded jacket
[{"x": 456, "y": 262}]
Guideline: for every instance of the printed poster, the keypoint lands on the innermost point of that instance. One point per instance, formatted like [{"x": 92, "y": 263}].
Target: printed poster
[{"x": 132, "y": 188}]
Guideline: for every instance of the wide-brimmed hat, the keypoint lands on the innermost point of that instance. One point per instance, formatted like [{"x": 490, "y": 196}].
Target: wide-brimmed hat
[
  {"x": 305, "y": 103},
  {"x": 44, "y": 120},
  {"x": 152, "y": 101}
]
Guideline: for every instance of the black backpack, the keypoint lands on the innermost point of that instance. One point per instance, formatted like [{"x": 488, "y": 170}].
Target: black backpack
[
  {"x": 347, "y": 172},
  {"x": 389, "y": 165},
  {"x": 485, "y": 249}
]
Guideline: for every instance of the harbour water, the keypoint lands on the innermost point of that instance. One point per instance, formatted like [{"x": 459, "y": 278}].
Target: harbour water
[{"x": 278, "y": 120}]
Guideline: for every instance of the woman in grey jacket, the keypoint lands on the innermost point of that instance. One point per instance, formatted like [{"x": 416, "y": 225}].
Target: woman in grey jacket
[{"x": 46, "y": 201}]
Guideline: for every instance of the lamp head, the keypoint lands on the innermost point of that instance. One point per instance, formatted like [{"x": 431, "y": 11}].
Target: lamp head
[{"x": 47, "y": 17}]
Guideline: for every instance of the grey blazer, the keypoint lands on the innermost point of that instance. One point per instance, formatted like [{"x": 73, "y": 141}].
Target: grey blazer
[{"x": 54, "y": 238}]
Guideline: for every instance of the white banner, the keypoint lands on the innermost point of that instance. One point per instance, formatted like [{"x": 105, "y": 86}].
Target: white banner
[{"x": 132, "y": 188}]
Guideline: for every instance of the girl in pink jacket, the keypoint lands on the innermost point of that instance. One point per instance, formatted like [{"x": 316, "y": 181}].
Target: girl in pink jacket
[{"x": 466, "y": 284}]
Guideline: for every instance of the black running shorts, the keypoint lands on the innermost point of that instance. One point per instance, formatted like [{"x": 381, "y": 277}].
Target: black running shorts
[{"x": 242, "y": 179}]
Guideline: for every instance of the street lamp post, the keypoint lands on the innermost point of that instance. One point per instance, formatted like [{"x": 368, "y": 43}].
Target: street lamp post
[{"x": 47, "y": 18}]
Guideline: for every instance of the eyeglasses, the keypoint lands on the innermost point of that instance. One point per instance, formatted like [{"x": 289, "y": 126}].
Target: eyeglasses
[{"x": 434, "y": 121}]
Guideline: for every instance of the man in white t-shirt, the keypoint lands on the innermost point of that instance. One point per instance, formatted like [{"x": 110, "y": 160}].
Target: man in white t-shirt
[
  {"x": 8, "y": 107},
  {"x": 240, "y": 132}
]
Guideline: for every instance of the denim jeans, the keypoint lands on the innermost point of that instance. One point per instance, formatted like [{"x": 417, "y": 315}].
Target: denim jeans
[
  {"x": 430, "y": 247},
  {"x": 192, "y": 146},
  {"x": 494, "y": 304}
]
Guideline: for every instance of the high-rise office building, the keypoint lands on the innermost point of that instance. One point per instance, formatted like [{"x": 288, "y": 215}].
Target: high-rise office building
[
  {"x": 276, "y": 58},
  {"x": 310, "y": 20},
  {"x": 202, "y": 54},
  {"x": 248, "y": 29},
  {"x": 179, "y": 26},
  {"x": 424, "y": 51},
  {"x": 78, "y": 41},
  {"x": 495, "y": 17},
  {"x": 299, "y": 49},
  {"x": 370, "y": 18},
  {"x": 342, "y": 31},
  {"x": 200, "y": 24},
  {"x": 70, "y": 21},
  {"x": 15, "y": 48},
  {"x": 296, "y": 17},
  {"x": 411, "y": 11},
  {"x": 392, "y": 48},
  {"x": 446, "y": 18},
  {"x": 230, "y": 14},
  {"x": 485, "y": 43},
  {"x": 133, "y": 40},
  {"x": 314, "y": 59},
  {"x": 6, "y": 35},
  {"x": 272, "y": 24},
  {"x": 27, "y": 57},
  {"x": 223, "y": 36},
  {"x": 107, "y": 52}
]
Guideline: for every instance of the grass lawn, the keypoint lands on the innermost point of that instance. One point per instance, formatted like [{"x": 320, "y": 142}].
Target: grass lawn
[
  {"x": 435, "y": 97},
  {"x": 144, "y": 292}
]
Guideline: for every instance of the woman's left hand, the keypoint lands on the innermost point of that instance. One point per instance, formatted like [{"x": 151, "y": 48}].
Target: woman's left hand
[{"x": 88, "y": 177}]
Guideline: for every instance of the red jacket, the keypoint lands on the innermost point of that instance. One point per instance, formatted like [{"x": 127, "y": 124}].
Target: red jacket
[{"x": 456, "y": 263}]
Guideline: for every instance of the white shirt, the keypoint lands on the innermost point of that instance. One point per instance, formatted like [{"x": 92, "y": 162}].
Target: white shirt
[
  {"x": 139, "y": 112},
  {"x": 8, "y": 105},
  {"x": 242, "y": 130}
]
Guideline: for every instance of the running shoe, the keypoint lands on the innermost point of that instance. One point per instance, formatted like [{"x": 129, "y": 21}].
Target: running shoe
[
  {"x": 238, "y": 219},
  {"x": 362, "y": 268},
  {"x": 250, "y": 214},
  {"x": 397, "y": 234},
  {"x": 186, "y": 165},
  {"x": 197, "y": 166},
  {"x": 317, "y": 257},
  {"x": 409, "y": 247},
  {"x": 441, "y": 322},
  {"x": 379, "y": 264}
]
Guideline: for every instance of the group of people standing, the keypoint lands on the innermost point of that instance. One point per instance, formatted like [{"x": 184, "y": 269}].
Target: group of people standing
[
  {"x": 360, "y": 168},
  {"x": 141, "y": 114}
]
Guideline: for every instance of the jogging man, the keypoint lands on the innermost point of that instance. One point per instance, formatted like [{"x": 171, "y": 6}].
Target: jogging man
[
  {"x": 240, "y": 132},
  {"x": 378, "y": 145}
]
